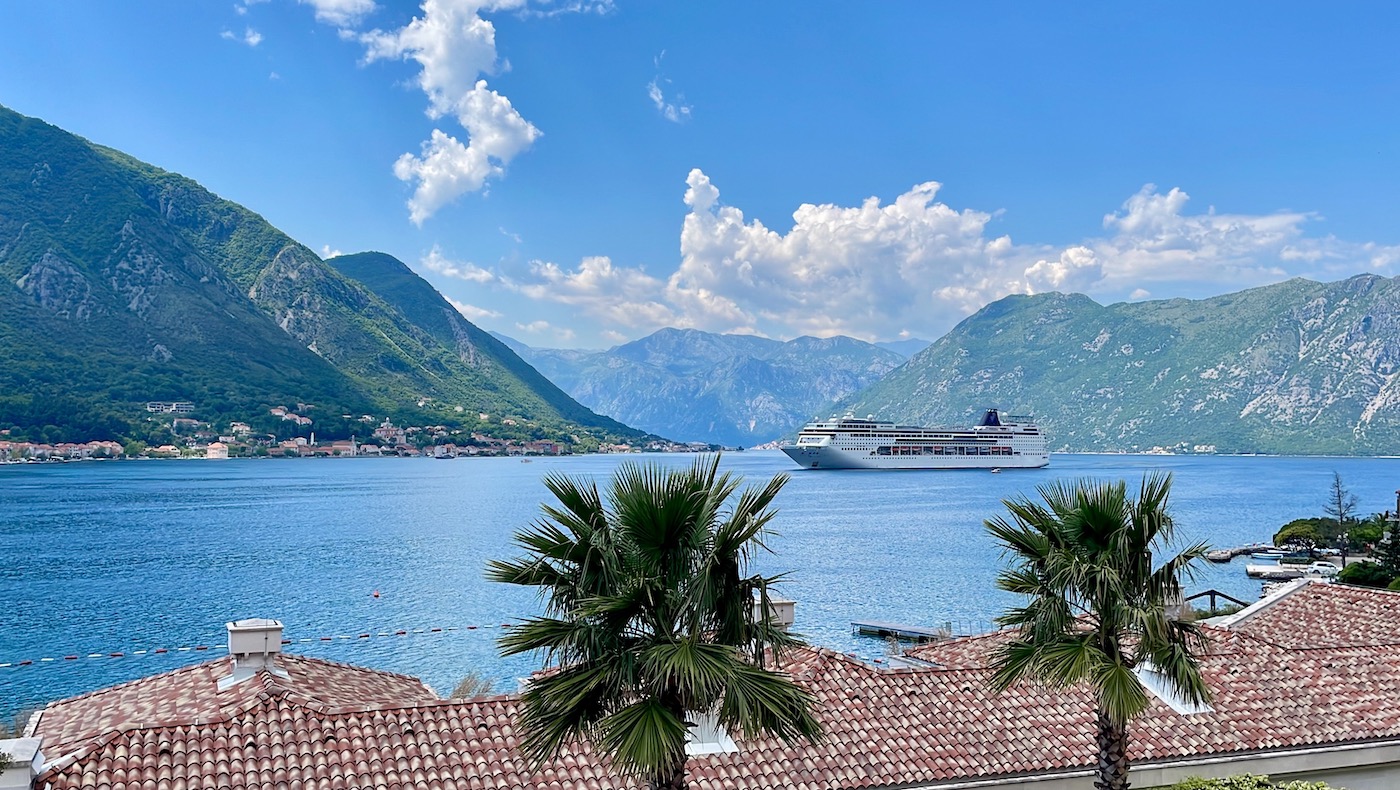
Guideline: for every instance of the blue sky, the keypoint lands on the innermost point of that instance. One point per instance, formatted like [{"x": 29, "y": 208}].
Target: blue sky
[{"x": 878, "y": 170}]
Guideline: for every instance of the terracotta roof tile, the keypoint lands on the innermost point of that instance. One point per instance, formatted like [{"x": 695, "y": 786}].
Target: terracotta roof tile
[
  {"x": 191, "y": 694},
  {"x": 884, "y": 727},
  {"x": 1316, "y": 614}
]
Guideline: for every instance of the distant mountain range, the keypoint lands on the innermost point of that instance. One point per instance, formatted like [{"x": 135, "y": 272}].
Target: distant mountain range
[
  {"x": 129, "y": 284},
  {"x": 724, "y": 389},
  {"x": 1296, "y": 367}
]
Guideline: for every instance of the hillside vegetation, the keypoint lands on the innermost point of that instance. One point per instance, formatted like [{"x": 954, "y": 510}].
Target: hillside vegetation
[
  {"x": 1296, "y": 367},
  {"x": 127, "y": 283}
]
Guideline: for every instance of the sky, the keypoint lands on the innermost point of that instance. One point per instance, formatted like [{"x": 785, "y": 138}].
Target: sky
[{"x": 580, "y": 173}]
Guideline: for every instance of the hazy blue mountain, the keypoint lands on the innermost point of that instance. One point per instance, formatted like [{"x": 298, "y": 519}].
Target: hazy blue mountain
[
  {"x": 127, "y": 283},
  {"x": 905, "y": 348},
  {"x": 1296, "y": 367},
  {"x": 725, "y": 389}
]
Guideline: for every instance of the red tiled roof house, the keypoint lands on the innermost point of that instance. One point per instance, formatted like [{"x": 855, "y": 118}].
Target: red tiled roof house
[{"x": 1306, "y": 685}]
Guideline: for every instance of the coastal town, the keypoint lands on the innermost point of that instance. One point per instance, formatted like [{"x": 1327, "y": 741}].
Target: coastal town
[{"x": 195, "y": 438}]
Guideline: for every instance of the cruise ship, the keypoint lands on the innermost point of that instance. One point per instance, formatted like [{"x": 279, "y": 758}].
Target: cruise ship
[{"x": 998, "y": 441}]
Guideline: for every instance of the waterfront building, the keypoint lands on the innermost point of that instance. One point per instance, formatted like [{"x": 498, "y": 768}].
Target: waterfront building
[{"x": 1306, "y": 685}]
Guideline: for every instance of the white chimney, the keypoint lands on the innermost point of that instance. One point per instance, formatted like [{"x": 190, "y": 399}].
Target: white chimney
[
  {"x": 24, "y": 763},
  {"x": 780, "y": 611},
  {"x": 254, "y": 644}
]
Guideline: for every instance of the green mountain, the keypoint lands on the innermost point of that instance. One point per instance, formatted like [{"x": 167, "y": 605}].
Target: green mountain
[
  {"x": 128, "y": 283},
  {"x": 491, "y": 367},
  {"x": 1297, "y": 367},
  {"x": 723, "y": 389}
]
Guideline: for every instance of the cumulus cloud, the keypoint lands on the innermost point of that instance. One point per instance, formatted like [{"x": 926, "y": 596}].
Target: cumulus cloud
[
  {"x": 328, "y": 252},
  {"x": 471, "y": 312},
  {"x": 454, "y": 46},
  {"x": 879, "y": 270},
  {"x": 435, "y": 261},
  {"x": 250, "y": 37},
  {"x": 618, "y": 295}
]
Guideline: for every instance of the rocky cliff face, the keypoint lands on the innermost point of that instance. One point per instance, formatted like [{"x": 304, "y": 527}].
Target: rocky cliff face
[{"x": 1297, "y": 367}]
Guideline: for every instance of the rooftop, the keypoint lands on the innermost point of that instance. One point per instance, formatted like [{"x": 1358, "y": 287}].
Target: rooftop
[{"x": 331, "y": 725}]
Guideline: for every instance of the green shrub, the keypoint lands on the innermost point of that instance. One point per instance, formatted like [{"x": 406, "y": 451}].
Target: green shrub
[
  {"x": 1395, "y": 585},
  {"x": 1247, "y": 782},
  {"x": 1365, "y": 574}
]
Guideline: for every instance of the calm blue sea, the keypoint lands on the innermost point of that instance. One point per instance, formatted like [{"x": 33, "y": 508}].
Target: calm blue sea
[{"x": 120, "y": 557}]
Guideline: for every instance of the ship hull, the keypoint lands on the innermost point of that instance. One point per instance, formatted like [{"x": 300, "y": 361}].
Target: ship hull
[{"x": 834, "y": 458}]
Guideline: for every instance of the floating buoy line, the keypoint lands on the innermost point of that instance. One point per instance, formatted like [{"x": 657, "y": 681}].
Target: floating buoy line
[{"x": 223, "y": 648}]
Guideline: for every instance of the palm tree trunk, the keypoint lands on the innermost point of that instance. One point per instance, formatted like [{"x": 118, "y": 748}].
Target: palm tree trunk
[
  {"x": 674, "y": 779},
  {"x": 1113, "y": 754}
]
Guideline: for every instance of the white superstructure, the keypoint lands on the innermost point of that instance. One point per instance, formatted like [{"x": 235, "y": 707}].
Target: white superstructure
[{"x": 1000, "y": 441}]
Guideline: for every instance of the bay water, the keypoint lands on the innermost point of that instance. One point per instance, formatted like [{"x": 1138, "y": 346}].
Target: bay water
[{"x": 131, "y": 556}]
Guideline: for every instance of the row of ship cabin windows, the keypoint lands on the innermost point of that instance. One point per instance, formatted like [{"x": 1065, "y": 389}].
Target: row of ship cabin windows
[{"x": 940, "y": 450}]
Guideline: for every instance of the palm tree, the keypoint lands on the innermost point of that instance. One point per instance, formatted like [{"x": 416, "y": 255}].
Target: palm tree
[
  {"x": 650, "y": 618},
  {"x": 1098, "y": 605}
]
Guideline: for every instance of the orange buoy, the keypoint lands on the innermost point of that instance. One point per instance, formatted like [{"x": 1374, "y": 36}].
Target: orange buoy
[{"x": 376, "y": 593}]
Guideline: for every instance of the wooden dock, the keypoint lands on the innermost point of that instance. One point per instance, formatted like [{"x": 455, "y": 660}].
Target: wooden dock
[{"x": 913, "y": 633}]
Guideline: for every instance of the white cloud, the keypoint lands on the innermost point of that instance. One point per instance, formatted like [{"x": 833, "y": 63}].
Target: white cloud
[
  {"x": 327, "y": 252},
  {"x": 617, "y": 295},
  {"x": 471, "y": 312},
  {"x": 676, "y": 111},
  {"x": 250, "y": 37},
  {"x": 341, "y": 13},
  {"x": 916, "y": 265},
  {"x": 552, "y": 8},
  {"x": 561, "y": 333},
  {"x": 454, "y": 46},
  {"x": 274, "y": 76},
  {"x": 435, "y": 261},
  {"x": 613, "y": 336}
]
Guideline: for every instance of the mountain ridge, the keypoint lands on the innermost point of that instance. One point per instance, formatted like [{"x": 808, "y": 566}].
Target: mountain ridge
[
  {"x": 1295, "y": 366},
  {"x": 150, "y": 287},
  {"x": 691, "y": 385}
]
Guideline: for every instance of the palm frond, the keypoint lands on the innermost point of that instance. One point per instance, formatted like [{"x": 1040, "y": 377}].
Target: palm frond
[
  {"x": 763, "y": 701},
  {"x": 1120, "y": 694},
  {"x": 645, "y": 738}
]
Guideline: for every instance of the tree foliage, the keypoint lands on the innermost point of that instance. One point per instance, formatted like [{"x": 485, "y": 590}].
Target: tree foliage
[
  {"x": 1097, "y": 607},
  {"x": 650, "y": 618},
  {"x": 473, "y": 685},
  {"x": 1247, "y": 782},
  {"x": 1365, "y": 574},
  {"x": 1306, "y": 532},
  {"x": 1341, "y": 503}
]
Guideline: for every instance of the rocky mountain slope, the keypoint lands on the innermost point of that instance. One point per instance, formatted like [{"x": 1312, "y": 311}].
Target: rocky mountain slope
[
  {"x": 127, "y": 283},
  {"x": 1296, "y": 367},
  {"x": 724, "y": 389}
]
